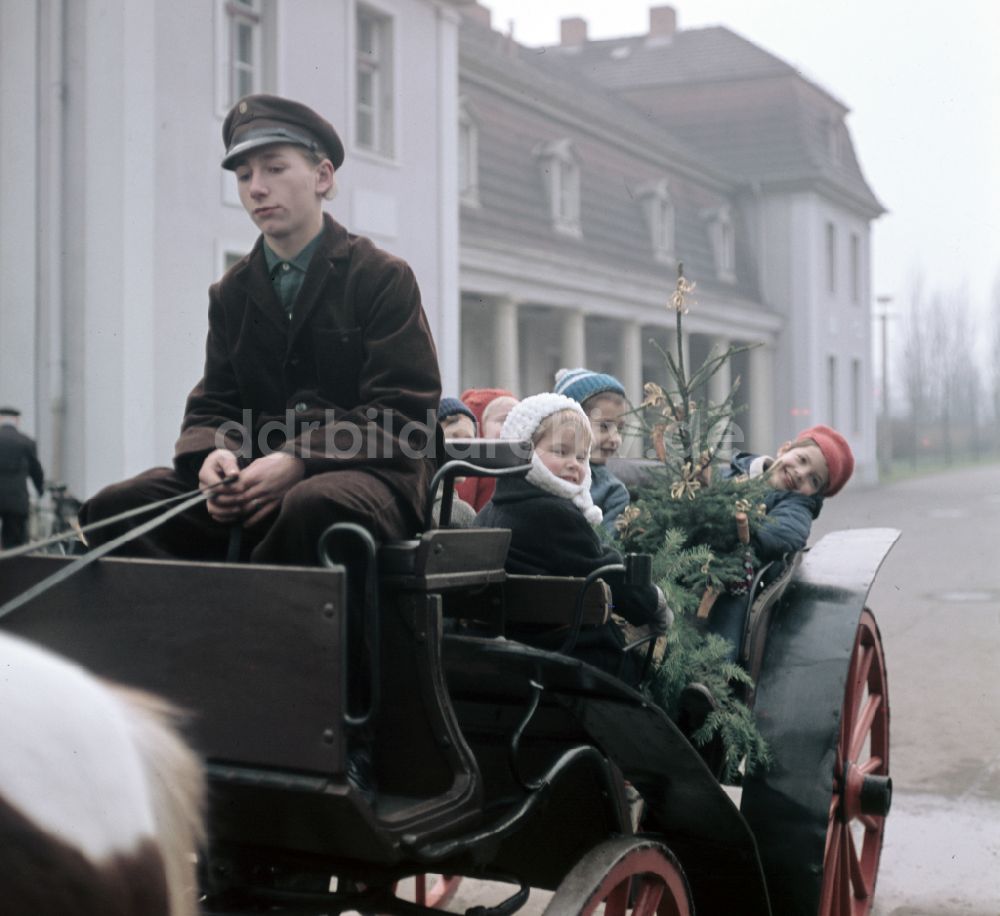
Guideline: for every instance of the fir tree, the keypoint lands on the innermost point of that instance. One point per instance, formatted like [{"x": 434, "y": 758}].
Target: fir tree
[{"x": 697, "y": 526}]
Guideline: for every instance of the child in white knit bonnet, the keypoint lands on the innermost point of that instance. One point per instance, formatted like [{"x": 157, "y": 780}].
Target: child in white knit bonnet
[{"x": 551, "y": 516}]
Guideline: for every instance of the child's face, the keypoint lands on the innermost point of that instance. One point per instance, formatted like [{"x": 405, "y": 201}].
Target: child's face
[
  {"x": 495, "y": 414},
  {"x": 607, "y": 420},
  {"x": 801, "y": 468},
  {"x": 458, "y": 426},
  {"x": 563, "y": 450}
]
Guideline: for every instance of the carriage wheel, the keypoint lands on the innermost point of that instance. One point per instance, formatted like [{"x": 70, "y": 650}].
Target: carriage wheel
[
  {"x": 440, "y": 892},
  {"x": 624, "y": 874},
  {"x": 862, "y": 789}
]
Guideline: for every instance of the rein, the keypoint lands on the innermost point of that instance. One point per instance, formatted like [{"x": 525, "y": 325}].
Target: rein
[{"x": 184, "y": 502}]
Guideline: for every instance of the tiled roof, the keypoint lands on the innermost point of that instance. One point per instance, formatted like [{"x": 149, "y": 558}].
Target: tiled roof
[
  {"x": 542, "y": 75},
  {"x": 746, "y": 110},
  {"x": 519, "y": 98},
  {"x": 690, "y": 56}
]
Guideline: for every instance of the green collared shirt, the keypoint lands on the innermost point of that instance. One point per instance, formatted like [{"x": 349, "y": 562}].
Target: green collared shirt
[{"x": 287, "y": 276}]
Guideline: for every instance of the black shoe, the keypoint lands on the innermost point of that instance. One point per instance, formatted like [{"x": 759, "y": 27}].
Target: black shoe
[{"x": 361, "y": 773}]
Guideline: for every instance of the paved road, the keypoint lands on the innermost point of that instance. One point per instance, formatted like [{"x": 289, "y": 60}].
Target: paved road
[{"x": 937, "y": 600}]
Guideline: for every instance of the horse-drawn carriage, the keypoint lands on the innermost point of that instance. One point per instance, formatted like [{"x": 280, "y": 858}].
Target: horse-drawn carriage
[{"x": 491, "y": 758}]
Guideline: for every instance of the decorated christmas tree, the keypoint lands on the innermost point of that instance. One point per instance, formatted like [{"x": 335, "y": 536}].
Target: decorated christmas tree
[{"x": 697, "y": 523}]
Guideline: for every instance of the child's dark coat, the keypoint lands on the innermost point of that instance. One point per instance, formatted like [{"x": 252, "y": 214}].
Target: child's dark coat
[{"x": 550, "y": 537}]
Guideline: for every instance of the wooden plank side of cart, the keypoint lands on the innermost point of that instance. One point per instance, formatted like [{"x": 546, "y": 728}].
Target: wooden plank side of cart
[{"x": 165, "y": 626}]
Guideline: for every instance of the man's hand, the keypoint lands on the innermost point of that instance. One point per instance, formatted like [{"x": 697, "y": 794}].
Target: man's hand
[
  {"x": 225, "y": 501},
  {"x": 266, "y": 481}
]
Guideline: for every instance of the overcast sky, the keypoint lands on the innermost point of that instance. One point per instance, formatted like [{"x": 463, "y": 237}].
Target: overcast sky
[{"x": 921, "y": 80}]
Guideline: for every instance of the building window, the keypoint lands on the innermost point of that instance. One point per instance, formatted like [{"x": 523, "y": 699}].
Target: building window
[
  {"x": 658, "y": 212},
  {"x": 831, "y": 257},
  {"x": 468, "y": 155},
  {"x": 229, "y": 252},
  {"x": 723, "y": 238},
  {"x": 374, "y": 90},
  {"x": 245, "y": 65},
  {"x": 831, "y": 390},
  {"x": 855, "y": 395},
  {"x": 244, "y": 46},
  {"x": 855, "y": 268},
  {"x": 561, "y": 174}
]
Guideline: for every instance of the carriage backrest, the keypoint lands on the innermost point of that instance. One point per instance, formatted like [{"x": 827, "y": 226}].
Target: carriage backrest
[
  {"x": 534, "y": 600},
  {"x": 472, "y": 458}
]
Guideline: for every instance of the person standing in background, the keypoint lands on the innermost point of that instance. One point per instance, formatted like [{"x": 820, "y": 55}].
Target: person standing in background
[{"x": 18, "y": 462}]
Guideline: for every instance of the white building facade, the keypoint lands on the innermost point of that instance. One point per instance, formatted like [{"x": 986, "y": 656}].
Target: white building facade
[
  {"x": 115, "y": 215},
  {"x": 543, "y": 200}
]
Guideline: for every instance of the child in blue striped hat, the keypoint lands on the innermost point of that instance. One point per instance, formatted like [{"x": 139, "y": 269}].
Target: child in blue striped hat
[{"x": 602, "y": 398}]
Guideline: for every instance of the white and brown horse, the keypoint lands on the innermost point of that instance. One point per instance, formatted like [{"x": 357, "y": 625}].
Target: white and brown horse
[{"x": 100, "y": 799}]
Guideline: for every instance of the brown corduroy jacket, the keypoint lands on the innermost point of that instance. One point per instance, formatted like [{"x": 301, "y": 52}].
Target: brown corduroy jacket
[{"x": 352, "y": 381}]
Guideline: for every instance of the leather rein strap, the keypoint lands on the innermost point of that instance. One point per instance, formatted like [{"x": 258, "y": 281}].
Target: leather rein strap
[{"x": 184, "y": 502}]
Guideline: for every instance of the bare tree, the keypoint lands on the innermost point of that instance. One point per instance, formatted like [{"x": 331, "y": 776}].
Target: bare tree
[
  {"x": 916, "y": 363},
  {"x": 956, "y": 360},
  {"x": 943, "y": 336},
  {"x": 941, "y": 371}
]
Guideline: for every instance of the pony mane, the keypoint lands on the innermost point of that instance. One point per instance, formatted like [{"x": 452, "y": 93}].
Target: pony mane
[
  {"x": 101, "y": 800},
  {"x": 176, "y": 782}
]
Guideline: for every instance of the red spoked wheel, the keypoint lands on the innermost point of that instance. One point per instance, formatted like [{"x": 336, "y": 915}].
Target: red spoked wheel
[
  {"x": 862, "y": 789},
  {"x": 624, "y": 875},
  {"x": 435, "y": 891}
]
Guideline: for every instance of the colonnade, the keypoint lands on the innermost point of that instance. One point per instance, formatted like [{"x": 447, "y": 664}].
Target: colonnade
[{"x": 508, "y": 329}]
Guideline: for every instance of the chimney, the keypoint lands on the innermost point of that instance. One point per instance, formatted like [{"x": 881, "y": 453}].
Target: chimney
[
  {"x": 572, "y": 32},
  {"x": 662, "y": 22},
  {"x": 477, "y": 13}
]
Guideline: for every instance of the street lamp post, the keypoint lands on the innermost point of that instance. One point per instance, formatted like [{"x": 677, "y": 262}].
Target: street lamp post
[{"x": 885, "y": 449}]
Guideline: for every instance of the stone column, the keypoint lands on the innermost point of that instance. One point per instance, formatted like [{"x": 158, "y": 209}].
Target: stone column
[
  {"x": 574, "y": 339},
  {"x": 762, "y": 432},
  {"x": 113, "y": 189},
  {"x": 19, "y": 189},
  {"x": 630, "y": 366},
  {"x": 720, "y": 383},
  {"x": 668, "y": 340},
  {"x": 448, "y": 329},
  {"x": 719, "y": 386},
  {"x": 507, "y": 362}
]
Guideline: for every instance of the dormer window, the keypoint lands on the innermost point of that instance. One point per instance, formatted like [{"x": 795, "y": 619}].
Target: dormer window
[
  {"x": 468, "y": 154},
  {"x": 723, "y": 239},
  {"x": 836, "y": 140},
  {"x": 658, "y": 213},
  {"x": 561, "y": 174}
]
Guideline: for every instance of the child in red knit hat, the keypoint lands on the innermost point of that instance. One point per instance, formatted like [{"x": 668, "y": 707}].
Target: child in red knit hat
[
  {"x": 818, "y": 462},
  {"x": 478, "y": 399},
  {"x": 490, "y": 407},
  {"x": 816, "y": 465}
]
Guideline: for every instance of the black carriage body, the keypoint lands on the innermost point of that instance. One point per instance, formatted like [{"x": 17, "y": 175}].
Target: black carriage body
[{"x": 257, "y": 656}]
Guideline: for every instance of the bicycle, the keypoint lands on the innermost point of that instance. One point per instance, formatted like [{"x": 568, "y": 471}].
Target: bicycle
[{"x": 57, "y": 515}]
